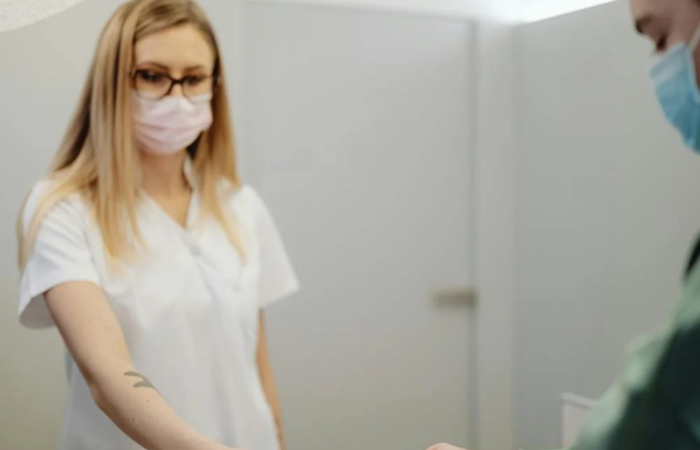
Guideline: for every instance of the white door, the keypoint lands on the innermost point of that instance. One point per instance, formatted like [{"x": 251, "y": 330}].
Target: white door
[{"x": 353, "y": 125}]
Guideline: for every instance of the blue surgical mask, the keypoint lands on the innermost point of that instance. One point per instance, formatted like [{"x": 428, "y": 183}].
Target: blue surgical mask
[{"x": 675, "y": 82}]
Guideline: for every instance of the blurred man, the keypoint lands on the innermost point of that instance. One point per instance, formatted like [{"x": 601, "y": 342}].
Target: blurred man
[{"x": 656, "y": 402}]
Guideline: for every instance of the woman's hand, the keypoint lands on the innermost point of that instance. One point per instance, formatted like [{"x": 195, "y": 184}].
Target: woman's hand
[{"x": 444, "y": 447}]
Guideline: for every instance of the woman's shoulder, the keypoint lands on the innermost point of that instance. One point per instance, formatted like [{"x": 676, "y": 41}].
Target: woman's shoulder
[
  {"x": 49, "y": 190},
  {"x": 243, "y": 198}
]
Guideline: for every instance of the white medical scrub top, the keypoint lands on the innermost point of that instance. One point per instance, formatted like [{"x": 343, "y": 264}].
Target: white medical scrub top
[{"x": 188, "y": 307}]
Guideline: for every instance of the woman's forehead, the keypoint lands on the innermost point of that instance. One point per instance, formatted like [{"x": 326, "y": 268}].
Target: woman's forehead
[{"x": 178, "y": 48}]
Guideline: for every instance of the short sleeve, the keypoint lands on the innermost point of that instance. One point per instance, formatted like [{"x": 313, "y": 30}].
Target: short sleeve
[
  {"x": 60, "y": 254},
  {"x": 277, "y": 277}
]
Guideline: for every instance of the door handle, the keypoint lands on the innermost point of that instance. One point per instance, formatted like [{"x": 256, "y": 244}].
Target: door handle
[{"x": 457, "y": 296}]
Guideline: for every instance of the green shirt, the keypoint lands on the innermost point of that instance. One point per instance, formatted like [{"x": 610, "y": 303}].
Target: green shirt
[{"x": 656, "y": 402}]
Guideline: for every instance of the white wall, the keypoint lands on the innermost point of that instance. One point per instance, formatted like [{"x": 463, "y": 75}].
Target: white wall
[
  {"x": 606, "y": 210},
  {"x": 504, "y": 11},
  {"x": 481, "y": 9},
  {"x": 536, "y": 10}
]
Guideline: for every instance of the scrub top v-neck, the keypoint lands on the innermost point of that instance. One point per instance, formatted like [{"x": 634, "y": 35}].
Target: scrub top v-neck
[{"x": 188, "y": 306}]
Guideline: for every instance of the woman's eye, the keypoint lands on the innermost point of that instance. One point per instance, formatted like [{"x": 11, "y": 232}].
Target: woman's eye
[
  {"x": 194, "y": 80},
  {"x": 151, "y": 77}
]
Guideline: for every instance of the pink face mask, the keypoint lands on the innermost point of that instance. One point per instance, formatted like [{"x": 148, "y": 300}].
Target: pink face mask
[{"x": 171, "y": 124}]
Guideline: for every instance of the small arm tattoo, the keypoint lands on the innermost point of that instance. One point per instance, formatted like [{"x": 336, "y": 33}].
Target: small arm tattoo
[{"x": 144, "y": 383}]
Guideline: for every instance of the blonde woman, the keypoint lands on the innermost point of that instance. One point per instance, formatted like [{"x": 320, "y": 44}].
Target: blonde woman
[{"x": 150, "y": 257}]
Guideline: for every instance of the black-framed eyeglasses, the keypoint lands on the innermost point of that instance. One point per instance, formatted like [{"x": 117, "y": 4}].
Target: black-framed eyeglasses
[{"x": 154, "y": 85}]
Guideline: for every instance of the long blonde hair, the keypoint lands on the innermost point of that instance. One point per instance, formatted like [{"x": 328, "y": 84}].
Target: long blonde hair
[{"x": 98, "y": 157}]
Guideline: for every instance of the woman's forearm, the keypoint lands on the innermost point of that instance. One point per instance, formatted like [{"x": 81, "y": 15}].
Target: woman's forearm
[
  {"x": 272, "y": 399},
  {"x": 271, "y": 394},
  {"x": 129, "y": 399},
  {"x": 94, "y": 338}
]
